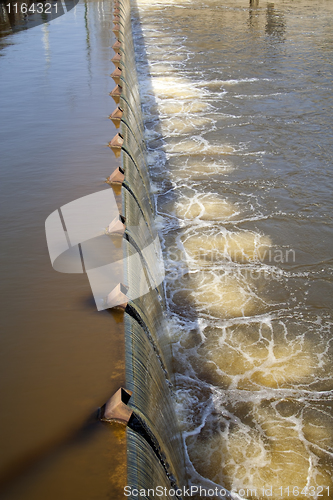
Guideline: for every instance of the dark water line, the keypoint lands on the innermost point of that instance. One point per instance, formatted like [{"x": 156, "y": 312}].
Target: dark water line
[
  {"x": 86, "y": 23},
  {"x": 138, "y": 425},
  {"x": 136, "y": 316}
]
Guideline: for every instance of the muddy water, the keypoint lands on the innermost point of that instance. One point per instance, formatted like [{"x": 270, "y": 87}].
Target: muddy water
[
  {"x": 238, "y": 105},
  {"x": 60, "y": 358}
]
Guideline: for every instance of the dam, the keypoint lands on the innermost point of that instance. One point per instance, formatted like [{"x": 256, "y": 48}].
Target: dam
[
  {"x": 155, "y": 456},
  {"x": 211, "y": 358}
]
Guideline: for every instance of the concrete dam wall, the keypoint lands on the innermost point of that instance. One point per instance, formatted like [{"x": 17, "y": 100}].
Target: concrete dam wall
[{"x": 155, "y": 455}]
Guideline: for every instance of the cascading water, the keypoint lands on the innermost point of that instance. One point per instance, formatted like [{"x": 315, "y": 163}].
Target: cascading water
[
  {"x": 235, "y": 102},
  {"x": 154, "y": 445}
]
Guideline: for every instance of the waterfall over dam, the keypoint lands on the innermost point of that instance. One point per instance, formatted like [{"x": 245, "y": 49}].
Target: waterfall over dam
[{"x": 155, "y": 455}]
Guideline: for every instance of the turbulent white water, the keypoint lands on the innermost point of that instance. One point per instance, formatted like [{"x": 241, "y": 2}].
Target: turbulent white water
[{"x": 236, "y": 100}]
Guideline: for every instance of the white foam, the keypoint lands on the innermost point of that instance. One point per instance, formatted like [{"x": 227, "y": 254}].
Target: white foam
[
  {"x": 205, "y": 207},
  {"x": 244, "y": 373}
]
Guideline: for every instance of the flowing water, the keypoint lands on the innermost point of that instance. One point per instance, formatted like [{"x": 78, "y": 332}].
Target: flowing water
[{"x": 237, "y": 99}]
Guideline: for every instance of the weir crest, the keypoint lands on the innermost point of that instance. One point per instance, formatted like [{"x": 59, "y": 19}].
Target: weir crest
[{"x": 155, "y": 454}]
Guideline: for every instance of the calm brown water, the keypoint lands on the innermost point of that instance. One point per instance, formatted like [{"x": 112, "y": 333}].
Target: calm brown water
[
  {"x": 238, "y": 103},
  {"x": 58, "y": 354}
]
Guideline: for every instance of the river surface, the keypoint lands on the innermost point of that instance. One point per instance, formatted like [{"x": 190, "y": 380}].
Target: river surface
[
  {"x": 57, "y": 351},
  {"x": 238, "y": 106}
]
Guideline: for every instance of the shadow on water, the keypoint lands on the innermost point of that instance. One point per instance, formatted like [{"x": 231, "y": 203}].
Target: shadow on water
[
  {"x": 52, "y": 451},
  {"x": 275, "y": 22}
]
